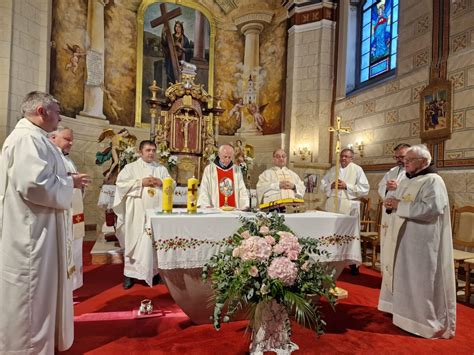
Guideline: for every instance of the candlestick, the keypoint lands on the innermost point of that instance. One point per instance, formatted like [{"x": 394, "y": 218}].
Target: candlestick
[
  {"x": 192, "y": 195},
  {"x": 167, "y": 198}
]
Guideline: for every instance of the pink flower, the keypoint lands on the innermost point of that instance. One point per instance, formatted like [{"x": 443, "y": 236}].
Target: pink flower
[
  {"x": 245, "y": 234},
  {"x": 288, "y": 245},
  {"x": 264, "y": 230},
  {"x": 283, "y": 269},
  {"x": 305, "y": 266},
  {"x": 236, "y": 252},
  {"x": 255, "y": 248},
  {"x": 278, "y": 249},
  {"x": 253, "y": 271},
  {"x": 283, "y": 234},
  {"x": 292, "y": 255},
  {"x": 270, "y": 240}
]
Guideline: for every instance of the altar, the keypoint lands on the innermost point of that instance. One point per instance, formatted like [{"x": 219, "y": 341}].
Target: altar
[{"x": 184, "y": 243}]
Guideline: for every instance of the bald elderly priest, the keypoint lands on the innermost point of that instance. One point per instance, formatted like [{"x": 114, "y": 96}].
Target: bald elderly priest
[
  {"x": 223, "y": 176},
  {"x": 279, "y": 182}
]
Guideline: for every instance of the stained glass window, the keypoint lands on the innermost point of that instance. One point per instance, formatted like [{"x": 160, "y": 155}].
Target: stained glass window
[{"x": 379, "y": 37}]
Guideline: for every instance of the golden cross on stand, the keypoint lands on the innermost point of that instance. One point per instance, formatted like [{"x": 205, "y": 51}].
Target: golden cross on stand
[{"x": 338, "y": 130}]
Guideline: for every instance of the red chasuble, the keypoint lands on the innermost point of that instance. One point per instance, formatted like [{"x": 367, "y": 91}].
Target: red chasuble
[{"x": 226, "y": 181}]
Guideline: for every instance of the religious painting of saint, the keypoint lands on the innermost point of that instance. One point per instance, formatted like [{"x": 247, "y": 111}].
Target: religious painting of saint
[
  {"x": 169, "y": 33},
  {"x": 435, "y": 112},
  {"x": 380, "y": 46}
]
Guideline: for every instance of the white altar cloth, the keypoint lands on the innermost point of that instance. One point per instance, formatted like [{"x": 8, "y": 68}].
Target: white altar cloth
[{"x": 184, "y": 243}]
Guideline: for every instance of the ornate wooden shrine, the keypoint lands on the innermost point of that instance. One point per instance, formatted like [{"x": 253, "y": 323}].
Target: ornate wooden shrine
[{"x": 187, "y": 126}]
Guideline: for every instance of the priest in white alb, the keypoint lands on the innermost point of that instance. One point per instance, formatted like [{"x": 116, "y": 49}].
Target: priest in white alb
[
  {"x": 35, "y": 194},
  {"x": 279, "y": 182},
  {"x": 138, "y": 188},
  {"x": 223, "y": 183},
  {"x": 421, "y": 295},
  {"x": 388, "y": 189},
  {"x": 63, "y": 138},
  {"x": 352, "y": 185}
]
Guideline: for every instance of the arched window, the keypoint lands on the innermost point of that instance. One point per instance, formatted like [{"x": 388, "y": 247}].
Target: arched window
[{"x": 378, "y": 40}]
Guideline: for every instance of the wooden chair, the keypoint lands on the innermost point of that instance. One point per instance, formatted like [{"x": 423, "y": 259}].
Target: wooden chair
[
  {"x": 370, "y": 230},
  {"x": 468, "y": 287},
  {"x": 462, "y": 221}
]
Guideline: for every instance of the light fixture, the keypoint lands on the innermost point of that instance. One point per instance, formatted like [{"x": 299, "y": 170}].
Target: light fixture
[
  {"x": 303, "y": 152},
  {"x": 360, "y": 148}
]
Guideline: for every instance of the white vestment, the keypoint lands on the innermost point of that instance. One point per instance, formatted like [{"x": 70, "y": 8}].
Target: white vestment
[
  {"x": 76, "y": 228},
  {"x": 209, "y": 188},
  {"x": 268, "y": 185},
  {"x": 357, "y": 186},
  {"x": 388, "y": 242},
  {"x": 130, "y": 204},
  {"x": 35, "y": 292},
  {"x": 423, "y": 301}
]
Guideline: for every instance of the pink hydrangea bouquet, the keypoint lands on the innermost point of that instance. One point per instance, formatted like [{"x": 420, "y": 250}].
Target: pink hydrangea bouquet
[{"x": 266, "y": 262}]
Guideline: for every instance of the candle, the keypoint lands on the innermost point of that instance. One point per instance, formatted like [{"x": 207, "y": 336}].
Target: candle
[
  {"x": 192, "y": 195},
  {"x": 167, "y": 198}
]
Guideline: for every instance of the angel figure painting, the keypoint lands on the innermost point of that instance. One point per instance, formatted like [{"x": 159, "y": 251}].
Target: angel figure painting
[
  {"x": 258, "y": 119},
  {"x": 75, "y": 53},
  {"x": 120, "y": 151},
  {"x": 236, "y": 112}
]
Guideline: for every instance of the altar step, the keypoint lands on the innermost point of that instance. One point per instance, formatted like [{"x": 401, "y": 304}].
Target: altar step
[{"x": 105, "y": 252}]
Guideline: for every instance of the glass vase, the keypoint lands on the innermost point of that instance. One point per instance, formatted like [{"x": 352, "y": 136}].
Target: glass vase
[{"x": 271, "y": 330}]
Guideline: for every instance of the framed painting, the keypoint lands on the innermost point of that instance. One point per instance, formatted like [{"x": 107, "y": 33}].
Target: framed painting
[
  {"x": 435, "y": 112},
  {"x": 168, "y": 33}
]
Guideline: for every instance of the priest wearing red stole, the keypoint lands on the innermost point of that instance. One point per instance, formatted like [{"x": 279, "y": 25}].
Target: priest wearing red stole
[{"x": 222, "y": 182}]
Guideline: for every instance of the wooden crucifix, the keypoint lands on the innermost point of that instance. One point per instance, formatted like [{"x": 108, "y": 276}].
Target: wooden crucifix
[
  {"x": 164, "y": 20},
  {"x": 338, "y": 130}
]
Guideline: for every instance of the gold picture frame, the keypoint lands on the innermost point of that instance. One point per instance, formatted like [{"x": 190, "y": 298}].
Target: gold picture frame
[
  {"x": 143, "y": 81},
  {"x": 435, "y": 112}
]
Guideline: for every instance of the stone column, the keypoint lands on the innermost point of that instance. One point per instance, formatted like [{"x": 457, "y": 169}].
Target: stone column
[
  {"x": 93, "y": 91},
  {"x": 251, "y": 31},
  {"x": 310, "y": 67}
]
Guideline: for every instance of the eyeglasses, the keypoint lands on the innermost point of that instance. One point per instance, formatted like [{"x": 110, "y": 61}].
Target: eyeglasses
[
  {"x": 396, "y": 157},
  {"x": 409, "y": 160}
]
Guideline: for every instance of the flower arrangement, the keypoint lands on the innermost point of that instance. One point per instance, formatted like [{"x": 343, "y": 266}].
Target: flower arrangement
[
  {"x": 266, "y": 262},
  {"x": 246, "y": 164},
  {"x": 128, "y": 155},
  {"x": 172, "y": 161},
  {"x": 165, "y": 157}
]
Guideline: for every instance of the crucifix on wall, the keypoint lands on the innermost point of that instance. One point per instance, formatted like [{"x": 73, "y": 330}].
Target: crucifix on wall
[
  {"x": 164, "y": 20},
  {"x": 186, "y": 131}
]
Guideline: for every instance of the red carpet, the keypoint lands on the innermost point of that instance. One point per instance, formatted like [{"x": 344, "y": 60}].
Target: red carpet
[{"x": 106, "y": 323}]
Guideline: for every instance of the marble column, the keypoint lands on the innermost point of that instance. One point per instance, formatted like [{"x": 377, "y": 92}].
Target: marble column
[
  {"x": 251, "y": 31},
  {"x": 93, "y": 90}
]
